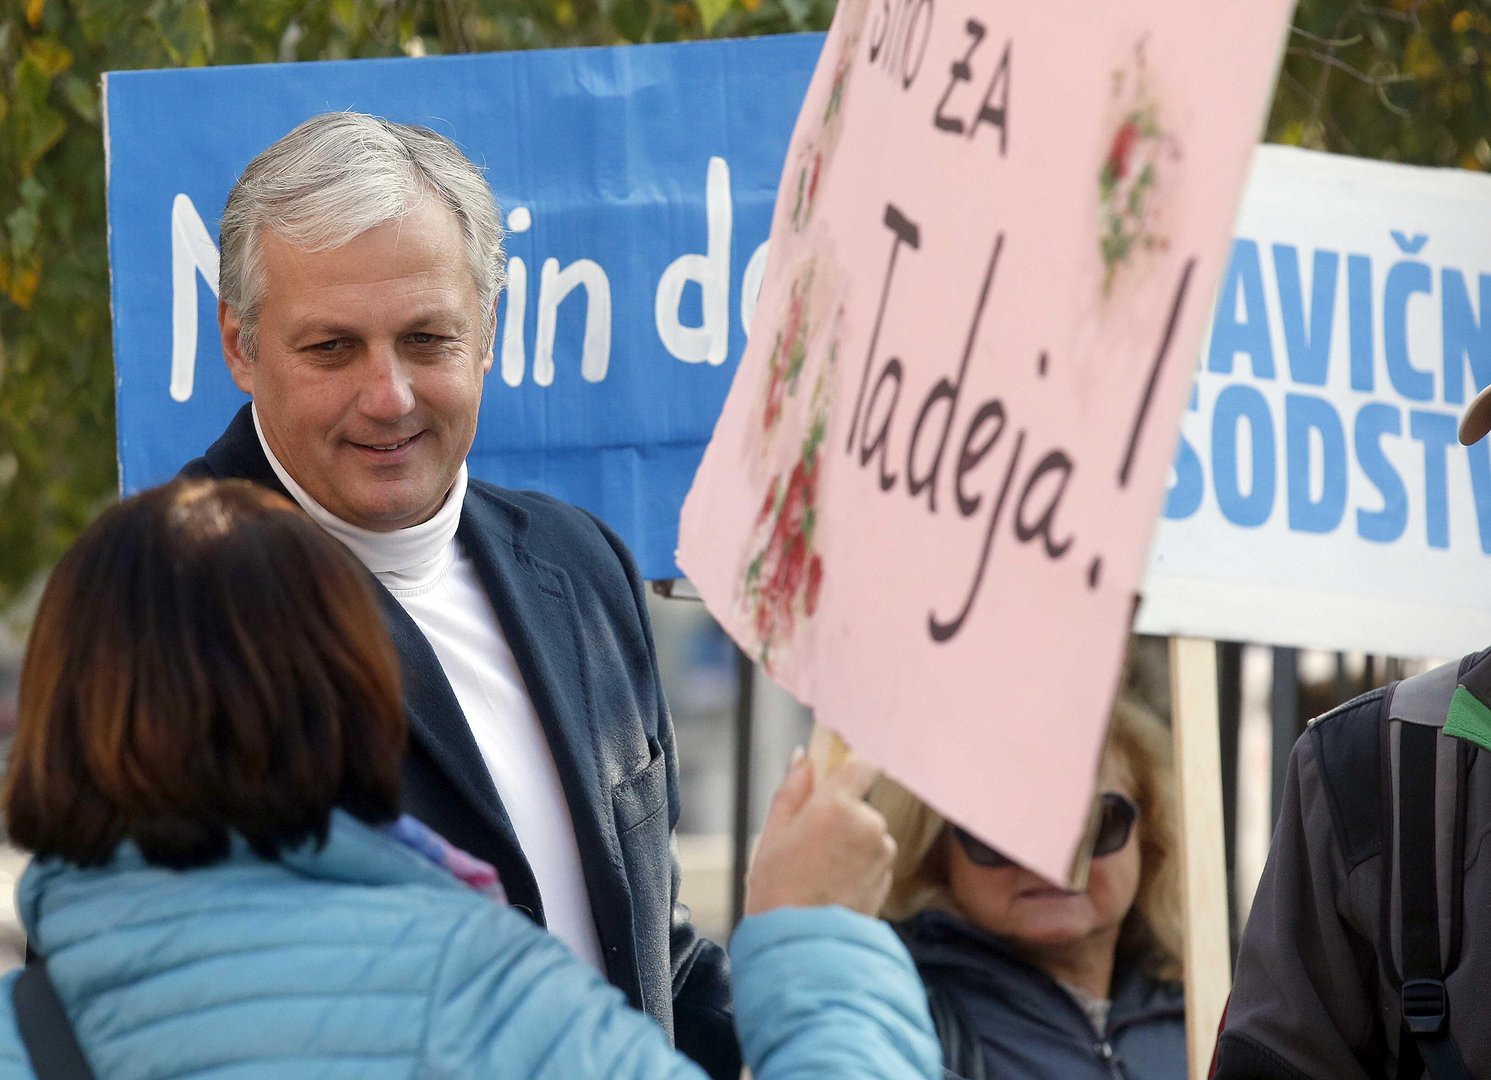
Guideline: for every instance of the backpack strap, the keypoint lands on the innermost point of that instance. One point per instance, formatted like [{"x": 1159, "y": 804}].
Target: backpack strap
[
  {"x": 1425, "y": 1002},
  {"x": 50, "y": 1041},
  {"x": 1422, "y": 879}
]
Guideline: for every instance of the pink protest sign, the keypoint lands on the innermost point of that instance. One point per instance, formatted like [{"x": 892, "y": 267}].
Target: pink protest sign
[{"x": 927, "y": 503}]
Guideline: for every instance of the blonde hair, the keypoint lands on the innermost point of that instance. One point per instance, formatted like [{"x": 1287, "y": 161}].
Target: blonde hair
[{"x": 1137, "y": 753}]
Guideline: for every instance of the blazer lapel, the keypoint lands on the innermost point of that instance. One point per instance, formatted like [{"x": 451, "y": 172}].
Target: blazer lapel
[
  {"x": 238, "y": 453},
  {"x": 439, "y": 726},
  {"x": 535, "y": 605}
]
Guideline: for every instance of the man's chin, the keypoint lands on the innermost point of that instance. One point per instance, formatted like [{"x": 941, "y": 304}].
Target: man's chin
[
  {"x": 394, "y": 519},
  {"x": 385, "y": 511}
]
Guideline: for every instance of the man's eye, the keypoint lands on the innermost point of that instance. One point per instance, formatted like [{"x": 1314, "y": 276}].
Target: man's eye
[
  {"x": 423, "y": 338},
  {"x": 330, "y": 345}
]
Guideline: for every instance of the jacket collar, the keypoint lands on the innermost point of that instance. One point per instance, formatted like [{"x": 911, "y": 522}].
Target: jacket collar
[
  {"x": 237, "y": 453},
  {"x": 535, "y": 604}
]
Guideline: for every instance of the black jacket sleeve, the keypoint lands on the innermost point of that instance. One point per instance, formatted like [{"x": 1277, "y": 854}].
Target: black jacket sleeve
[{"x": 1305, "y": 998}]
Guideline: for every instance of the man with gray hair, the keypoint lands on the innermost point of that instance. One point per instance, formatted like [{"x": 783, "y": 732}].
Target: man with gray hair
[{"x": 361, "y": 264}]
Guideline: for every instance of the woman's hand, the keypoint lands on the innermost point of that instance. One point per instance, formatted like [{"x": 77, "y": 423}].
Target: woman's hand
[{"x": 822, "y": 844}]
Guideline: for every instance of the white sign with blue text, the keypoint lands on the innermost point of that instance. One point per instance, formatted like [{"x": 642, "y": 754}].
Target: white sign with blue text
[{"x": 1319, "y": 495}]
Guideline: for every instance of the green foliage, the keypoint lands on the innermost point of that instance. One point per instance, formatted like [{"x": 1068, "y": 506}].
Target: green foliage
[
  {"x": 1405, "y": 80},
  {"x": 1400, "y": 80}
]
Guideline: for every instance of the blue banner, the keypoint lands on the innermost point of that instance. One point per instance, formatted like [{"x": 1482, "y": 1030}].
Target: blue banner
[{"x": 638, "y": 185}]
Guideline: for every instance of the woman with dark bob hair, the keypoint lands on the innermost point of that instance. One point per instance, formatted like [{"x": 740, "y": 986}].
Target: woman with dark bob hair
[
  {"x": 1029, "y": 978},
  {"x": 207, "y": 769}
]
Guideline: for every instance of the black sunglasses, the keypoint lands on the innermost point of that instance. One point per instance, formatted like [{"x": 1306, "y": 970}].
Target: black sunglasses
[{"x": 1116, "y": 823}]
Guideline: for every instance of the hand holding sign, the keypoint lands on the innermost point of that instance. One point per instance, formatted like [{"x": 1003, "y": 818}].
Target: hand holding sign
[{"x": 822, "y": 843}]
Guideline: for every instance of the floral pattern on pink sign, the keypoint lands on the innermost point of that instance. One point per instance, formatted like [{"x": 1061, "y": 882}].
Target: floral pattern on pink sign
[
  {"x": 1134, "y": 175},
  {"x": 783, "y": 570}
]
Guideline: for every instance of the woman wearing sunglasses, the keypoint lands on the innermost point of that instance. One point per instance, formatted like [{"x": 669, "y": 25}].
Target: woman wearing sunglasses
[{"x": 1028, "y": 979}]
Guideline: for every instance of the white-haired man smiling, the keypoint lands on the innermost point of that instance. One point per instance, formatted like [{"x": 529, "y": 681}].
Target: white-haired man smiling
[{"x": 361, "y": 265}]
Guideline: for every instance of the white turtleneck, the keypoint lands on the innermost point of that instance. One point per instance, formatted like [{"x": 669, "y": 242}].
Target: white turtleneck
[{"x": 433, "y": 578}]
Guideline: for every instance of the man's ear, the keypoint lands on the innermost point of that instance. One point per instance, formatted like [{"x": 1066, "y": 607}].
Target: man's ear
[{"x": 231, "y": 330}]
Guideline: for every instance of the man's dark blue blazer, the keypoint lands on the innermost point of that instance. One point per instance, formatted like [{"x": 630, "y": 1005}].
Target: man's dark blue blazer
[{"x": 570, "y": 601}]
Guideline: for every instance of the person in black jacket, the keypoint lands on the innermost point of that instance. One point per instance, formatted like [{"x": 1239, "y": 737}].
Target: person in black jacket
[
  {"x": 361, "y": 262},
  {"x": 1029, "y": 979},
  {"x": 1363, "y": 957}
]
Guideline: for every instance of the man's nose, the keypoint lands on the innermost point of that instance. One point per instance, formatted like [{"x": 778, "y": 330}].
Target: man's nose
[{"x": 387, "y": 392}]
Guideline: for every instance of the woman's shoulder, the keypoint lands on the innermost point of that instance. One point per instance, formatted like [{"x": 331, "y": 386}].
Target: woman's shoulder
[
  {"x": 248, "y": 928},
  {"x": 222, "y": 951}
]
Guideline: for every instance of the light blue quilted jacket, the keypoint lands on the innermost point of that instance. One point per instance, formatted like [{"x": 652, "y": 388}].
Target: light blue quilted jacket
[{"x": 364, "y": 961}]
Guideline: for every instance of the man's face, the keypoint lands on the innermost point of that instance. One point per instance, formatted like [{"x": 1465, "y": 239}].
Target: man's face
[{"x": 369, "y": 368}]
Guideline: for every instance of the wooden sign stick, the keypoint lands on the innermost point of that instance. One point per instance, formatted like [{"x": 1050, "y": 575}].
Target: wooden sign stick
[{"x": 1208, "y": 960}]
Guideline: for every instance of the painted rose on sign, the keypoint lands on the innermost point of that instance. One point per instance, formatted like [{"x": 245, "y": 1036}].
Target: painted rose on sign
[
  {"x": 783, "y": 580},
  {"x": 816, "y": 151},
  {"x": 787, "y": 355},
  {"x": 782, "y": 568},
  {"x": 1134, "y": 174}
]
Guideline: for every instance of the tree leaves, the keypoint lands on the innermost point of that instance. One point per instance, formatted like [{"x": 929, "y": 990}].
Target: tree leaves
[
  {"x": 185, "y": 31},
  {"x": 1404, "y": 81},
  {"x": 20, "y": 267},
  {"x": 711, "y": 11},
  {"x": 50, "y": 55}
]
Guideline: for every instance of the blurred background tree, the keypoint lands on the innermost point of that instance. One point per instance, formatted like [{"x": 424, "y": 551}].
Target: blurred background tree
[
  {"x": 1400, "y": 80},
  {"x": 1403, "y": 80}
]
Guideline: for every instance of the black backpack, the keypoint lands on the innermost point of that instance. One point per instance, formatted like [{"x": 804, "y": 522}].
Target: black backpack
[{"x": 1402, "y": 794}]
